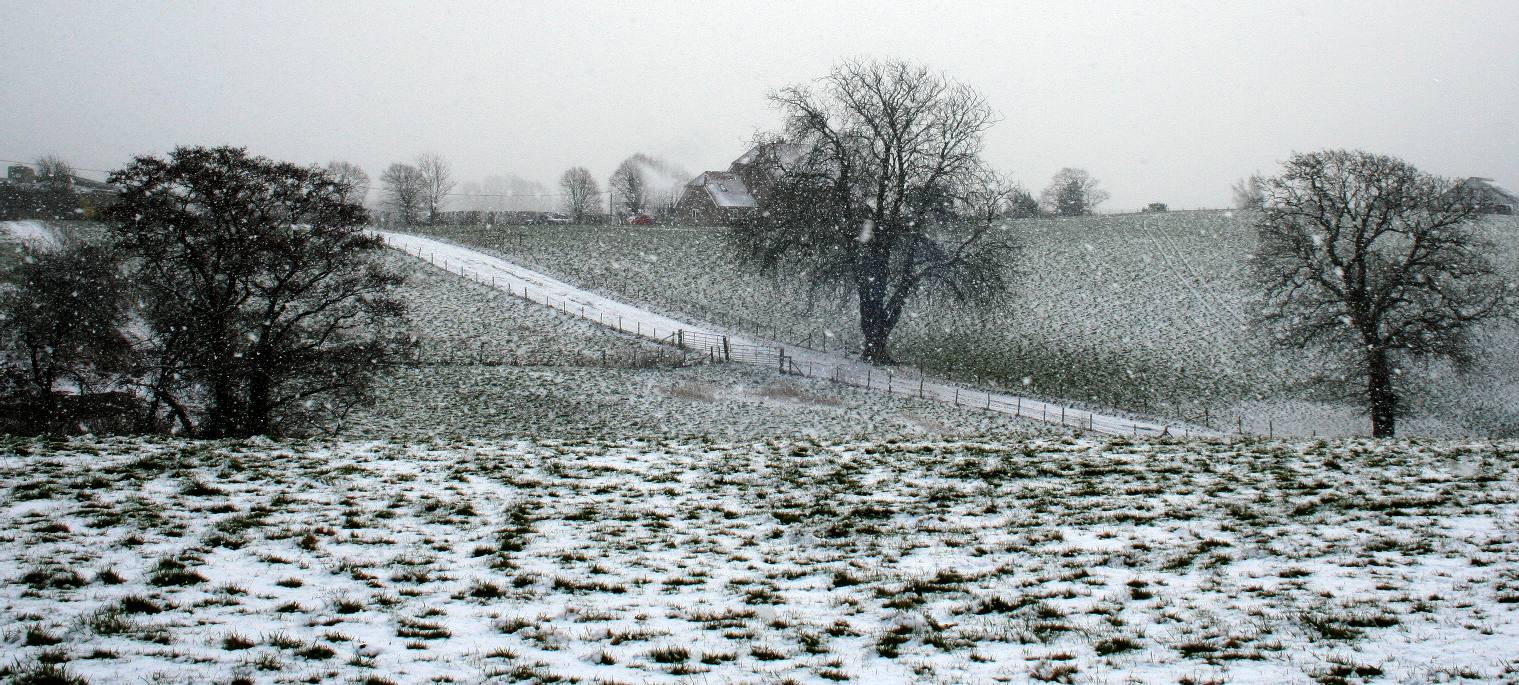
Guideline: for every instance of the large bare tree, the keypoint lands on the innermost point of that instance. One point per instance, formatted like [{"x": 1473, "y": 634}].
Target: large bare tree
[
  {"x": 437, "y": 183},
  {"x": 404, "y": 191},
  {"x": 352, "y": 178},
  {"x": 580, "y": 193},
  {"x": 1376, "y": 264},
  {"x": 854, "y": 192}
]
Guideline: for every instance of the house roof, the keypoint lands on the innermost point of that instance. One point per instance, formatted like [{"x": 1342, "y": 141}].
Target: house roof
[{"x": 727, "y": 190}]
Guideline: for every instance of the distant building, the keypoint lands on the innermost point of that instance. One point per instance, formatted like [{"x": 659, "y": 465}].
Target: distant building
[
  {"x": 20, "y": 173},
  {"x": 1491, "y": 197},
  {"x": 732, "y": 197},
  {"x": 716, "y": 197}
]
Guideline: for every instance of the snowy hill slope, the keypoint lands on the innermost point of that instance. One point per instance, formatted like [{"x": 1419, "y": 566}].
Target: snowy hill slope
[
  {"x": 1141, "y": 312},
  {"x": 544, "y": 379}
]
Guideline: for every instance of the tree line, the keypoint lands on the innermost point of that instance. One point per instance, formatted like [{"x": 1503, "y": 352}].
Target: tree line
[{"x": 232, "y": 295}]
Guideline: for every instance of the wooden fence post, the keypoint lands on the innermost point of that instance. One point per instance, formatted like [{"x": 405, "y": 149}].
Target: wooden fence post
[
  {"x": 727, "y": 351},
  {"x": 781, "y": 352}
]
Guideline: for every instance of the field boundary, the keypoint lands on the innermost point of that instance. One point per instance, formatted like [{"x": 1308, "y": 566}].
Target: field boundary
[{"x": 720, "y": 347}]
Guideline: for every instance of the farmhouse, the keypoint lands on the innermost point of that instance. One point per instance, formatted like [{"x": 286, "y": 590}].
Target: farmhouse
[
  {"x": 733, "y": 197},
  {"x": 1492, "y": 198},
  {"x": 716, "y": 197}
]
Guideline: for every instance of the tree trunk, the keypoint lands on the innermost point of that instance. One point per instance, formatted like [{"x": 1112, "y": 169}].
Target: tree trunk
[
  {"x": 875, "y": 327},
  {"x": 875, "y": 322},
  {"x": 1381, "y": 399}
]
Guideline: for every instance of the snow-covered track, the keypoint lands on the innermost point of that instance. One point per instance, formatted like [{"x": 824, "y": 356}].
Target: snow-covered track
[{"x": 722, "y": 345}]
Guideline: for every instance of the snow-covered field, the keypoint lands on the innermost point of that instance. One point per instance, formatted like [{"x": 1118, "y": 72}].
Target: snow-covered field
[
  {"x": 1143, "y": 312},
  {"x": 698, "y": 560},
  {"x": 561, "y": 390},
  {"x": 504, "y": 523},
  {"x": 504, "y": 277}
]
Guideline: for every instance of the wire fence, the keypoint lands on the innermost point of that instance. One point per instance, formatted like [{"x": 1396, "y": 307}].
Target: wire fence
[
  {"x": 485, "y": 354},
  {"x": 695, "y": 346}
]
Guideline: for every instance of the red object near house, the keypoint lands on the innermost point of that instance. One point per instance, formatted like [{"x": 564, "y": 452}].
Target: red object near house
[{"x": 641, "y": 220}]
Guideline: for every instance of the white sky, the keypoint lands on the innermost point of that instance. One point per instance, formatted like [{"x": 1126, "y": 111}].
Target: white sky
[{"x": 1161, "y": 101}]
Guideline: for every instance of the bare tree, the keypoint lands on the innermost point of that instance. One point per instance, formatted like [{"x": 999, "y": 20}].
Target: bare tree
[
  {"x": 404, "y": 191},
  {"x": 1248, "y": 193},
  {"x": 352, "y": 178},
  {"x": 269, "y": 307},
  {"x": 54, "y": 173},
  {"x": 580, "y": 193},
  {"x": 854, "y": 191},
  {"x": 986, "y": 196},
  {"x": 1072, "y": 192},
  {"x": 437, "y": 183},
  {"x": 56, "y": 179},
  {"x": 630, "y": 187},
  {"x": 1374, "y": 263}
]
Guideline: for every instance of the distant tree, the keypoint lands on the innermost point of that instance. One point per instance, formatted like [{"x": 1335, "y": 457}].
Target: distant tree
[
  {"x": 267, "y": 305},
  {"x": 1376, "y": 264},
  {"x": 352, "y": 178},
  {"x": 580, "y": 192},
  {"x": 855, "y": 187},
  {"x": 62, "y": 311},
  {"x": 1248, "y": 193},
  {"x": 1155, "y": 207},
  {"x": 1072, "y": 192},
  {"x": 1021, "y": 204},
  {"x": 55, "y": 178},
  {"x": 437, "y": 183},
  {"x": 630, "y": 187},
  {"x": 54, "y": 173},
  {"x": 404, "y": 191}
]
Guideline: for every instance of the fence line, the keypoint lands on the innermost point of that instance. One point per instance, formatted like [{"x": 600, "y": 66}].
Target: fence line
[{"x": 719, "y": 348}]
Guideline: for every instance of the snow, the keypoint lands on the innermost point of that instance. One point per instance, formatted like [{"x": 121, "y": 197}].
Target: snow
[
  {"x": 881, "y": 561},
  {"x": 35, "y": 233},
  {"x": 1156, "y": 320},
  {"x": 535, "y": 286},
  {"x": 726, "y": 190}
]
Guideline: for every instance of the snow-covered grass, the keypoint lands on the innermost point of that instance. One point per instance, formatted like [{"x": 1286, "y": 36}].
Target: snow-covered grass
[
  {"x": 554, "y": 385},
  {"x": 731, "y": 402},
  {"x": 1149, "y": 313},
  {"x": 1060, "y": 560}
]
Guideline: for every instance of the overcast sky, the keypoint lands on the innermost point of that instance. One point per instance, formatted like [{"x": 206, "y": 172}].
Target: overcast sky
[{"x": 1161, "y": 101}]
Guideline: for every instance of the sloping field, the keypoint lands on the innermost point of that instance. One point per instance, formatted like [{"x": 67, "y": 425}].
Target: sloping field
[
  {"x": 759, "y": 561},
  {"x": 1150, "y": 313},
  {"x": 495, "y": 366}
]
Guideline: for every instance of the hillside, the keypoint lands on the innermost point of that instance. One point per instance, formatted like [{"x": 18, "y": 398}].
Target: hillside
[
  {"x": 549, "y": 375},
  {"x": 1146, "y": 312}
]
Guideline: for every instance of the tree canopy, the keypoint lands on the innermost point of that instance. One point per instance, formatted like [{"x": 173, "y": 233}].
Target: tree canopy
[{"x": 857, "y": 192}]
